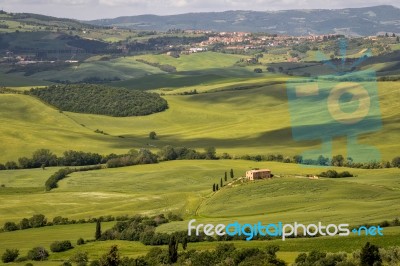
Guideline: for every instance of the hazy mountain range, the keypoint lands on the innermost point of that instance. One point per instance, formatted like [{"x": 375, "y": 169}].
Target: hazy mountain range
[{"x": 352, "y": 21}]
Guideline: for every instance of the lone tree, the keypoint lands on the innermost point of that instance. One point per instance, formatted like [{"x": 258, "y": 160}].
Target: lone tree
[
  {"x": 97, "y": 235},
  {"x": 153, "y": 135},
  {"x": 226, "y": 176},
  {"x": 232, "y": 175}
]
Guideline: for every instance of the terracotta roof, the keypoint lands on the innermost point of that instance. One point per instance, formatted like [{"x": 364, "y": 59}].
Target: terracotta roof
[{"x": 261, "y": 170}]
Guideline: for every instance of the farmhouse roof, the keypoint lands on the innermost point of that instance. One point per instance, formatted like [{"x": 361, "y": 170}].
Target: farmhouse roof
[{"x": 260, "y": 170}]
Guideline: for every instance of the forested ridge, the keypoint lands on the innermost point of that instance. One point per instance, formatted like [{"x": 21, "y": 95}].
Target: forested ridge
[{"x": 102, "y": 100}]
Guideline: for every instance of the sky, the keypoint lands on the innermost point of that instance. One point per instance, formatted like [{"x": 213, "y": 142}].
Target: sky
[{"x": 96, "y": 9}]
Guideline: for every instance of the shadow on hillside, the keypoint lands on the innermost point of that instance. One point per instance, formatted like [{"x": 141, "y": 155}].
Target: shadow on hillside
[
  {"x": 235, "y": 94},
  {"x": 287, "y": 137},
  {"x": 184, "y": 79},
  {"x": 275, "y": 138}
]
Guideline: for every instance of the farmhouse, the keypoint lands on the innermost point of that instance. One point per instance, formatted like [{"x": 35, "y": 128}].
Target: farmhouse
[{"x": 258, "y": 174}]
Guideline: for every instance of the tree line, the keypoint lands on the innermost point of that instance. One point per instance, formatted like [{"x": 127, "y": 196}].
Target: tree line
[
  {"x": 337, "y": 161},
  {"x": 142, "y": 228},
  {"x": 164, "y": 67},
  {"x": 222, "y": 254},
  {"x": 102, "y": 100},
  {"x": 40, "y": 220},
  {"x": 166, "y": 153},
  {"x": 52, "y": 181},
  {"x": 45, "y": 158},
  {"x": 217, "y": 186}
]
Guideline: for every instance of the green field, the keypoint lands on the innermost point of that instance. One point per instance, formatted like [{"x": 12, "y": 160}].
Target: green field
[
  {"x": 371, "y": 196},
  {"x": 184, "y": 187},
  {"x": 36, "y": 125},
  {"x": 232, "y": 121},
  {"x": 17, "y": 80},
  {"x": 121, "y": 68}
]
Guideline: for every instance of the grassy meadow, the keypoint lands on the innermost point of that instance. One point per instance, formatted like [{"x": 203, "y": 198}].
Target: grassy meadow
[
  {"x": 233, "y": 121},
  {"x": 185, "y": 188},
  {"x": 120, "y": 68},
  {"x": 237, "y": 111}
]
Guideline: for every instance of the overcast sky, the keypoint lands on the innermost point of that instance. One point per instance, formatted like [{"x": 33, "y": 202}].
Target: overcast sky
[{"x": 94, "y": 9}]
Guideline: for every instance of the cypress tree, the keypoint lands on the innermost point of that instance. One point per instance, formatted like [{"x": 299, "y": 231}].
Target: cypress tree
[
  {"x": 98, "y": 230},
  {"x": 232, "y": 173},
  {"x": 226, "y": 177},
  {"x": 216, "y": 187},
  {"x": 222, "y": 184},
  {"x": 173, "y": 249},
  {"x": 213, "y": 187}
]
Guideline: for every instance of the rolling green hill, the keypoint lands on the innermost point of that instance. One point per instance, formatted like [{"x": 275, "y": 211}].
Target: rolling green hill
[
  {"x": 232, "y": 121},
  {"x": 119, "y": 68},
  {"x": 33, "y": 125},
  {"x": 185, "y": 187}
]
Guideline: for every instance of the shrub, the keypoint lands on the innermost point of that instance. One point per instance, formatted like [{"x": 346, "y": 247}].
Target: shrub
[
  {"x": 37, "y": 220},
  {"x": 10, "y": 255},
  {"x": 334, "y": 174},
  {"x": 345, "y": 174},
  {"x": 80, "y": 258},
  {"x": 24, "y": 224},
  {"x": 80, "y": 241},
  {"x": 10, "y": 226},
  {"x": 396, "y": 162},
  {"x": 38, "y": 254},
  {"x": 60, "y": 246},
  {"x": 152, "y": 135}
]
